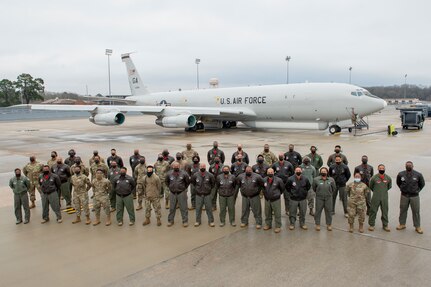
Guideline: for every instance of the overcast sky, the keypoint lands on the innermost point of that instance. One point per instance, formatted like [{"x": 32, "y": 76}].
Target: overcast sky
[{"x": 238, "y": 42}]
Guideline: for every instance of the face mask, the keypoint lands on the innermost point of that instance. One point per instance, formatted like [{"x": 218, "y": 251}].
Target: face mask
[
  {"x": 149, "y": 173},
  {"x": 58, "y": 162},
  {"x": 202, "y": 169},
  {"x": 337, "y": 151},
  {"x": 365, "y": 161},
  {"x": 248, "y": 173},
  {"x": 260, "y": 161},
  {"x": 291, "y": 149},
  {"x": 217, "y": 161},
  {"x": 313, "y": 151},
  {"x": 165, "y": 154},
  {"x": 77, "y": 172},
  {"x": 122, "y": 173},
  {"x": 239, "y": 160},
  {"x": 113, "y": 153},
  {"x": 45, "y": 172},
  {"x": 95, "y": 153},
  {"x": 215, "y": 146},
  {"x": 196, "y": 161},
  {"x": 338, "y": 162},
  {"x": 160, "y": 158},
  {"x": 97, "y": 161},
  {"x": 178, "y": 158},
  {"x": 17, "y": 174},
  {"x": 189, "y": 148},
  {"x": 306, "y": 162},
  {"x": 225, "y": 171},
  {"x": 71, "y": 153},
  {"x": 142, "y": 161},
  {"x": 266, "y": 149},
  {"x": 177, "y": 169},
  {"x": 382, "y": 171},
  {"x": 240, "y": 148},
  {"x": 298, "y": 173},
  {"x": 99, "y": 176},
  {"x": 53, "y": 155},
  {"x": 280, "y": 158},
  {"x": 77, "y": 162},
  {"x": 409, "y": 168},
  {"x": 270, "y": 175},
  {"x": 357, "y": 180},
  {"x": 323, "y": 174},
  {"x": 32, "y": 159},
  {"x": 136, "y": 153},
  {"x": 114, "y": 166}
]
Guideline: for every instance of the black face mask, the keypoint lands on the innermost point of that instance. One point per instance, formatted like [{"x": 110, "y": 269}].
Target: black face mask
[
  {"x": 176, "y": 169},
  {"x": 178, "y": 158},
  {"x": 382, "y": 171},
  {"x": 248, "y": 173},
  {"x": 95, "y": 154},
  {"x": 202, "y": 169},
  {"x": 58, "y": 162},
  {"x": 113, "y": 166},
  {"x": 136, "y": 153},
  {"x": 113, "y": 153},
  {"x": 97, "y": 161},
  {"x": 270, "y": 175},
  {"x": 18, "y": 174},
  {"x": 122, "y": 173},
  {"x": 226, "y": 172},
  {"x": 323, "y": 174},
  {"x": 142, "y": 161},
  {"x": 77, "y": 172},
  {"x": 53, "y": 156},
  {"x": 217, "y": 161},
  {"x": 239, "y": 160},
  {"x": 77, "y": 162},
  {"x": 313, "y": 151},
  {"x": 365, "y": 161},
  {"x": 215, "y": 146},
  {"x": 337, "y": 151},
  {"x": 298, "y": 173},
  {"x": 149, "y": 173},
  {"x": 291, "y": 149},
  {"x": 196, "y": 161},
  {"x": 160, "y": 159},
  {"x": 266, "y": 149},
  {"x": 280, "y": 158},
  {"x": 409, "y": 168},
  {"x": 306, "y": 162},
  {"x": 260, "y": 161},
  {"x": 71, "y": 154},
  {"x": 240, "y": 149},
  {"x": 338, "y": 162},
  {"x": 45, "y": 172},
  {"x": 32, "y": 159},
  {"x": 165, "y": 154}
]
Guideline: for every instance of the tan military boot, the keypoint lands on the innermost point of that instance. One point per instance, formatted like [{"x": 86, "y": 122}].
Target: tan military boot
[
  {"x": 32, "y": 205},
  {"x": 139, "y": 206},
  {"x": 77, "y": 219},
  {"x": 371, "y": 228},
  {"x": 419, "y": 230},
  {"x": 401, "y": 227},
  {"x": 97, "y": 222},
  {"x": 88, "y": 221},
  {"x": 329, "y": 227},
  {"x": 108, "y": 220},
  {"x": 351, "y": 228},
  {"x": 317, "y": 227},
  {"x": 167, "y": 205},
  {"x": 159, "y": 222},
  {"x": 361, "y": 227},
  {"x": 147, "y": 221}
]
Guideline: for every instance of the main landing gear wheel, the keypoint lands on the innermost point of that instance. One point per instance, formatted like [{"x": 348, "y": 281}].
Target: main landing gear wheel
[
  {"x": 228, "y": 124},
  {"x": 334, "y": 129}
]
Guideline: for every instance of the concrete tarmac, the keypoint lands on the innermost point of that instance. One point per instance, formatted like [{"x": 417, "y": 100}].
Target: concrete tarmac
[{"x": 79, "y": 255}]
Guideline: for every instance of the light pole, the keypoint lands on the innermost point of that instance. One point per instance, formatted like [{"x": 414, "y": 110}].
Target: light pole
[
  {"x": 350, "y": 75},
  {"x": 405, "y": 86},
  {"x": 197, "y": 61},
  {"x": 287, "y": 69},
  {"x": 108, "y": 52}
]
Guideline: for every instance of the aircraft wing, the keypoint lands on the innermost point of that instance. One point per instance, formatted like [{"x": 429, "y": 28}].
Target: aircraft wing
[{"x": 206, "y": 112}]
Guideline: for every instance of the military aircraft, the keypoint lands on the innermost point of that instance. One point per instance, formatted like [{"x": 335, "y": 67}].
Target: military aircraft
[{"x": 286, "y": 106}]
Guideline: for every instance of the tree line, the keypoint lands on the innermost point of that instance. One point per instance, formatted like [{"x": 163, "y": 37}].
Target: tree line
[
  {"x": 398, "y": 92},
  {"x": 24, "y": 90}
]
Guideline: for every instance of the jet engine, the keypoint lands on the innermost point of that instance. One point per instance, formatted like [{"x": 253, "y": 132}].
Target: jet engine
[
  {"x": 112, "y": 118},
  {"x": 179, "y": 121}
]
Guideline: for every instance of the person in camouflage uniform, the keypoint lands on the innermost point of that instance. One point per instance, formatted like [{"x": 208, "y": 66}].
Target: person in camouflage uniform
[
  {"x": 189, "y": 153},
  {"x": 81, "y": 185},
  {"x": 101, "y": 188},
  {"x": 91, "y": 160},
  {"x": 53, "y": 159},
  {"x": 98, "y": 164},
  {"x": 151, "y": 190},
  {"x": 83, "y": 169},
  {"x": 113, "y": 171},
  {"x": 138, "y": 175},
  {"x": 315, "y": 159},
  {"x": 161, "y": 169},
  {"x": 357, "y": 192},
  {"x": 268, "y": 156},
  {"x": 32, "y": 171}
]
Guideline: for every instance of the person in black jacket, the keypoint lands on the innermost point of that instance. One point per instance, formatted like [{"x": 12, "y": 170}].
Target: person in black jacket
[
  {"x": 410, "y": 182},
  {"x": 123, "y": 186},
  {"x": 226, "y": 189},
  {"x": 274, "y": 187},
  {"x": 116, "y": 158},
  {"x": 203, "y": 182},
  {"x": 297, "y": 187},
  {"x": 63, "y": 171},
  {"x": 50, "y": 185},
  {"x": 178, "y": 181},
  {"x": 341, "y": 174}
]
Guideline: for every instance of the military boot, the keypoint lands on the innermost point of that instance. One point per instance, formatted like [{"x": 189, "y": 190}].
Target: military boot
[
  {"x": 77, "y": 219},
  {"x": 97, "y": 222},
  {"x": 147, "y": 221},
  {"x": 351, "y": 227},
  {"x": 32, "y": 204},
  {"x": 159, "y": 222},
  {"x": 108, "y": 220},
  {"x": 361, "y": 227},
  {"x": 139, "y": 206},
  {"x": 88, "y": 221}
]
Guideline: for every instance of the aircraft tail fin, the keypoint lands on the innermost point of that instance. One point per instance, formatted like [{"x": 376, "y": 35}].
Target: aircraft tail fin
[{"x": 137, "y": 87}]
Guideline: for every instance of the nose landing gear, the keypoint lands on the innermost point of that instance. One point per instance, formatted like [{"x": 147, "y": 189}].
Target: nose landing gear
[{"x": 334, "y": 129}]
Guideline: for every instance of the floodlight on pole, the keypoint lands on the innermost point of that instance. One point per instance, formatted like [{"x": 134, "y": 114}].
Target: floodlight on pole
[
  {"x": 350, "y": 75},
  {"x": 197, "y": 61},
  {"x": 405, "y": 86},
  {"x": 108, "y": 52},
  {"x": 287, "y": 68}
]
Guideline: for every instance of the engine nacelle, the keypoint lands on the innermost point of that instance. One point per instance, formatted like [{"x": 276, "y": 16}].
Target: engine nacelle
[
  {"x": 108, "y": 119},
  {"x": 180, "y": 121}
]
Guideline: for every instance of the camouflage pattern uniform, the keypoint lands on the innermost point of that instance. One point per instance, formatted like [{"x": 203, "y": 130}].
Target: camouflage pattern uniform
[
  {"x": 161, "y": 169},
  {"x": 94, "y": 167},
  {"x": 188, "y": 155},
  {"x": 151, "y": 192},
  {"x": 91, "y": 160},
  {"x": 357, "y": 204},
  {"x": 269, "y": 157},
  {"x": 51, "y": 162},
  {"x": 101, "y": 189},
  {"x": 138, "y": 175},
  {"x": 32, "y": 172},
  {"x": 112, "y": 173},
  {"x": 84, "y": 169},
  {"x": 81, "y": 185}
]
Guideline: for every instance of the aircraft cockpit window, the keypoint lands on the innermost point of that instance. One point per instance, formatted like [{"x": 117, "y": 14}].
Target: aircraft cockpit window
[
  {"x": 369, "y": 94},
  {"x": 353, "y": 94},
  {"x": 359, "y": 93}
]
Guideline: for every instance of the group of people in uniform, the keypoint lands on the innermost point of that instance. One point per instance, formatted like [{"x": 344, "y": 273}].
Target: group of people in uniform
[{"x": 301, "y": 181}]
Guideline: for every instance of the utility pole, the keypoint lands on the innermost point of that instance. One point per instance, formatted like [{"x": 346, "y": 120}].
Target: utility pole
[{"x": 287, "y": 68}]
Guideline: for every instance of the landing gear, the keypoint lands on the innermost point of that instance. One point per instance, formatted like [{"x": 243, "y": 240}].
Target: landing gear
[
  {"x": 197, "y": 127},
  {"x": 334, "y": 129},
  {"x": 228, "y": 124}
]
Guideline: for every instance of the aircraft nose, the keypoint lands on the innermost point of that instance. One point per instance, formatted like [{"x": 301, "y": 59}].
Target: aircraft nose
[{"x": 384, "y": 104}]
